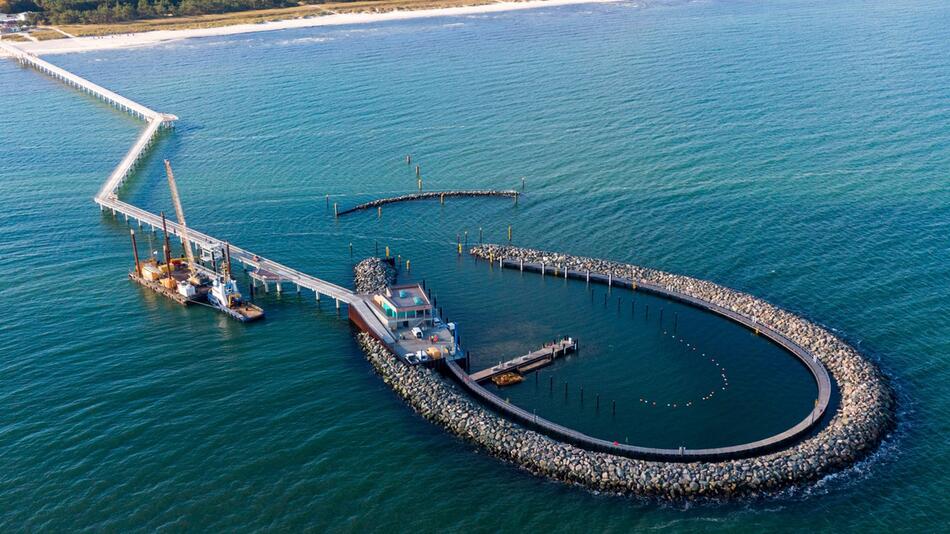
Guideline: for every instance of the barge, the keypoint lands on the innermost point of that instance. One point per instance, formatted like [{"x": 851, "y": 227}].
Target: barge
[{"x": 184, "y": 280}]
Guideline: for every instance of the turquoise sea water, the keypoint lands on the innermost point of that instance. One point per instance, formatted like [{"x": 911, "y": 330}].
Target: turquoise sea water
[{"x": 797, "y": 150}]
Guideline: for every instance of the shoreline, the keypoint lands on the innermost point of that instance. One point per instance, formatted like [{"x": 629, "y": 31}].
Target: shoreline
[{"x": 152, "y": 38}]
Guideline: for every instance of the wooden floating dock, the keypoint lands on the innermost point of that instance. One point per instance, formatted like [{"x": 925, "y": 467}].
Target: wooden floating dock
[{"x": 529, "y": 362}]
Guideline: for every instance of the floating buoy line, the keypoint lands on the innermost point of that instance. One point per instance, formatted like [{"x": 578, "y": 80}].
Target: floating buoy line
[{"x": 690, "y": 348}]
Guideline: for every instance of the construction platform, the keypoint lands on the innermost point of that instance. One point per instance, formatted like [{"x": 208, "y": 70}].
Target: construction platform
[
  {"x": 160, "y": 289},
  {"x": 178, "y": 275}
]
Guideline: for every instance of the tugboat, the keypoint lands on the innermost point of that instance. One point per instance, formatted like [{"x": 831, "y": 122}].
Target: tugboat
[{"x": 225, "y": 296}]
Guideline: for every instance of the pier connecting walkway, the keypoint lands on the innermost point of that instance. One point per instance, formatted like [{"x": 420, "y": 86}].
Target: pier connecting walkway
[{"x": 108, "y": 199}]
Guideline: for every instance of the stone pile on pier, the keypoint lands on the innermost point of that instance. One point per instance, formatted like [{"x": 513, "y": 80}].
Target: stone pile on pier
[{"x": 373, "y": 275}]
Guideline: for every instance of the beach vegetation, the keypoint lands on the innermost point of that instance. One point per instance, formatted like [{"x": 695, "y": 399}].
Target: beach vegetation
[{"x": 109, "y": 11}]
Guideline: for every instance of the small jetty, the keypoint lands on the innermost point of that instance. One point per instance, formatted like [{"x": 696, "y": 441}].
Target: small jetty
[
  {"x": 529, "y": 362},
  {"x": 441, "y": 195}
]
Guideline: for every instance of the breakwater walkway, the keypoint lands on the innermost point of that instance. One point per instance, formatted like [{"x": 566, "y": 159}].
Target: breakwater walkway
[
  {"x": 108, "y": 199},
  {"x": 441, "y": 195}
]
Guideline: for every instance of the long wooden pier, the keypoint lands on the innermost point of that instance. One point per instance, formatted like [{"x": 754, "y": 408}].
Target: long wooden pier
[
  {"x": 529, "y": 361},
  {"x": 108, "y": 199}
]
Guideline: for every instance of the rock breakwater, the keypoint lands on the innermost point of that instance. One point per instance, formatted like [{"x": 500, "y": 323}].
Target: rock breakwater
[
  {"x": 430, "y": 195},
  {"x": 863, "y": 417}
]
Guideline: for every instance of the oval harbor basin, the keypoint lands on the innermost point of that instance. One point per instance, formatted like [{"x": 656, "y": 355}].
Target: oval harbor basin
[{"x": 649, "y": 371}]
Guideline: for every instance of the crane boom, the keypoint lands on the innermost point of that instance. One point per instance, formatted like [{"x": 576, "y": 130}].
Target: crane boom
[{"x": 181, "y": 219}]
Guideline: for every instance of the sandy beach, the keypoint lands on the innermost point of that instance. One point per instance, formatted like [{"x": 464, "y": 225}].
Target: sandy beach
[{"x": 134, "y": 40}]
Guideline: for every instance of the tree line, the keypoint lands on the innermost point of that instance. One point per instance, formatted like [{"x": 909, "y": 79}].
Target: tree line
[{"x": 106, "y": 11}]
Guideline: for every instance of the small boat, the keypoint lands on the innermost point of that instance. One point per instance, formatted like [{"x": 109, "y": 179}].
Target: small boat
[{"x": 507, "y": 379}]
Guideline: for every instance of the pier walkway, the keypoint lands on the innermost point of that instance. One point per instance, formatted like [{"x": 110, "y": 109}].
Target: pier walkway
[
  {"x": 117, "y": 100},
  {"x": 108, "y": 198}
]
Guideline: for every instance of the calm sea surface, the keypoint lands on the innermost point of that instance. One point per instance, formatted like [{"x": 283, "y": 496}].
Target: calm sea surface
[{"x": 797, "y": 150}]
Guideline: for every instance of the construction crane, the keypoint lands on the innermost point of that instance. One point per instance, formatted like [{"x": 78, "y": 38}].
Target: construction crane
[{"x": 192, "y": 266}]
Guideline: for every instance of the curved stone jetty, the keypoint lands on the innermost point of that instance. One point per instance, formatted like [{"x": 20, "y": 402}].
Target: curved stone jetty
[
  {"x": 431, "y": 195},
  {"x": 863, "y": 417}
]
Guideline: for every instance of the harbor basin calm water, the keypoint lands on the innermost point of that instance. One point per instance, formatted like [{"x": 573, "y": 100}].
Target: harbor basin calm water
[{"x": 796, "y": 150}]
